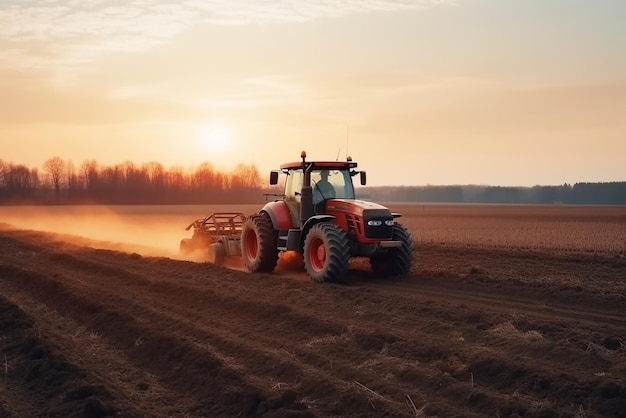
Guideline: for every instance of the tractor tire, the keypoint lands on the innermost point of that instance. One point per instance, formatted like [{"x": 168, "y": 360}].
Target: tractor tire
[
  {"x": 259, "y": 244},
  {"x": 396, "y": 261},
  {"x": 326, "y": 253},
  {"x": 217, "y": 253}
]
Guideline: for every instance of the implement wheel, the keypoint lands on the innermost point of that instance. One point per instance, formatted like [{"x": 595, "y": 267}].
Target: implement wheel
[
  {"x": 186, "y": 247},
  {"x": 326, "y": 253},
  {"x": 217, "y": 253},
  {"x": 259, "y": 243}
]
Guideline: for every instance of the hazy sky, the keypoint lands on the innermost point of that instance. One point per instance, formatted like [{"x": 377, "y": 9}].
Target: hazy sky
[{"x": 507, "y": 92}]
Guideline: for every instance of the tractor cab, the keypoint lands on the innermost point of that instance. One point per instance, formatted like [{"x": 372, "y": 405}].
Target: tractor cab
[{"x": 322, "y": 180}]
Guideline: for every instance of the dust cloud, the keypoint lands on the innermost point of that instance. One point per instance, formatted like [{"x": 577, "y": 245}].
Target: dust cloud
[
  {"x": 153, "y": 231},
  {"x": 146, "y": 230},
  {"x": 290, "y": 262}
]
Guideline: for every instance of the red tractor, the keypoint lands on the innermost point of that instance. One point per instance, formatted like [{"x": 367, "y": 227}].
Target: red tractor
[{"x": 319, "y": 217}]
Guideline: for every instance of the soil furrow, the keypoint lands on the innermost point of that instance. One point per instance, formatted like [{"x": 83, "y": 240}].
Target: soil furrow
[{"x": 531, "y": 334}]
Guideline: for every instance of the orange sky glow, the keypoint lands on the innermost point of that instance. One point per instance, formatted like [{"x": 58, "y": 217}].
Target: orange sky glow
[{"x": 422, "y": 91}]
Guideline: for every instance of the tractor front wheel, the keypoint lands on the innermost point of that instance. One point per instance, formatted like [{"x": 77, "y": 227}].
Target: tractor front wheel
[
  {"x": 396, "y": 261},
  {"x": 259, "y": 243},
  {"x": 326, "y": 253}
]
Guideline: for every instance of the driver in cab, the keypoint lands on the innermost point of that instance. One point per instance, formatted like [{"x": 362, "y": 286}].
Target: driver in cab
[{"x": 322, "y": 189}]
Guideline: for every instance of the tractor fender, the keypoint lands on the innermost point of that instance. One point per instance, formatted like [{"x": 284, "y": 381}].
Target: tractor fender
[
  {"x": 279, "y": 214},
  {"x": 313, "y": 220}
]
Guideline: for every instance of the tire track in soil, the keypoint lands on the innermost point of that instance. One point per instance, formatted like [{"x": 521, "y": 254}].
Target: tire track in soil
[
  {"x": 369, "y": 334},
  {"x": 85, "y": 264},
  {"x": 82, "y": 264},
  {"x": 545, "y": 310},
  {"x": 586, "y": 331},
  {"x": 217, "y": 389},
  {"x": 187, "y": 298},
  {"x": 35, "y": 370},
  {"x": 146, "y": 312},
  {"x": 136, "y": 389}
]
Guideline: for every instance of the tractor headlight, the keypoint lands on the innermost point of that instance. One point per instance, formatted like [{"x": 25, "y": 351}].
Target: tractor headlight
[
  {"x": 390, "y": 222},
  {"x": 375, "y": 222}
]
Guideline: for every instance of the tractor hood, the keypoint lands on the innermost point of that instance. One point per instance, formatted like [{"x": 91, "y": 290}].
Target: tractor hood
[
  {"x": 355, "y": 207},
  {"x": 368, "y": 220}
]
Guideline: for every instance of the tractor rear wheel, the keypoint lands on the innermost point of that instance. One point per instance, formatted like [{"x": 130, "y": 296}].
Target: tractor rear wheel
[
  {"x": 217, "y": 253},
  {"x": 259, "y": 243},
  {"x": 397, "y": 261},
  {"x": 326, "y": 253}
]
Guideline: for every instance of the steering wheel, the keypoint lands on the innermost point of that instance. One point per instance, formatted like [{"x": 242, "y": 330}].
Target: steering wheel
[
  {"x": 327, "y": 190},
  {"x": 322, "y": 191}
]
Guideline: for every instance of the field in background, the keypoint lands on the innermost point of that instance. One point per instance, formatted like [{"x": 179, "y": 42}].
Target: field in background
[{"x": 600, "y": 229}]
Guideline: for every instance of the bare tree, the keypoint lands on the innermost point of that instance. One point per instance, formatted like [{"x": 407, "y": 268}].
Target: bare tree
[
  {"x": 55, "y": 167},
  {"x": 127, "y": 182},
  {"x": 70, "y": 176},
  {"x": 176, "y": 178},
  {"x": 245, "y": 176},
  {"x": 20, "y": 180},
  {"x": 203, "y": 176},
  {"x": 4, "y": 168},
  {"x": 156, "y": 174},
  {"x": 89, "y": 171}
]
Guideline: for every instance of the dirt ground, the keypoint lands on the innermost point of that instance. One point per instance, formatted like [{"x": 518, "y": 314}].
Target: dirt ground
[{"x": 471, "y": 332}]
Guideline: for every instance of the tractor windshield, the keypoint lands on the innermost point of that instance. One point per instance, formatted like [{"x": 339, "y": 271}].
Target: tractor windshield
[
  {"x": 331, "y": 184},
  {"x": 326, "y": 184}
]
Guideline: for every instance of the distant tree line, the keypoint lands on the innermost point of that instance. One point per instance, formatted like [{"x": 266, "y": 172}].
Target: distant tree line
[
  {"x": 62, "y": 182},
  {"x": 610, "y": 193}
]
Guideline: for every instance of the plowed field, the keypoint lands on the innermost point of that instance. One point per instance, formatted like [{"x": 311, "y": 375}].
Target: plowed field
[{"x": 472, "y": 331}]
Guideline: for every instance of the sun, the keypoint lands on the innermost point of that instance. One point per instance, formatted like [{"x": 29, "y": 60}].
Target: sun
[{"x": 216, "y": 136}]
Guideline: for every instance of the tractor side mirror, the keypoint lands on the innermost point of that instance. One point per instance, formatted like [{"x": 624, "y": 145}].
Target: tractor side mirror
[
  {"x": 363, "y": 178},
  {"x": 273, "y": 177}
]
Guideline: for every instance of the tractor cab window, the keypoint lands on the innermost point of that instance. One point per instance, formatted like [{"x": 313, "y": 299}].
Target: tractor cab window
[
  {"x": 331, "y": 184},
  {"x": 293, "y": 186},
  {"x": 293, "y": 189}
]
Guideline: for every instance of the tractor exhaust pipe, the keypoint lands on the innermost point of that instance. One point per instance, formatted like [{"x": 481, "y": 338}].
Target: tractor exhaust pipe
[{"x": 306, "y": 198}]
